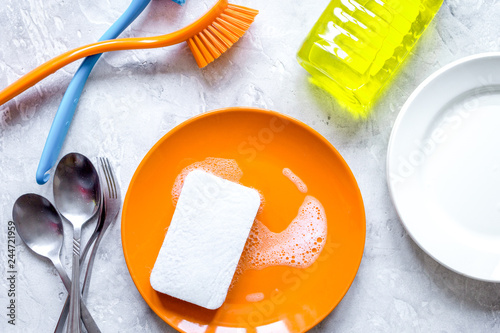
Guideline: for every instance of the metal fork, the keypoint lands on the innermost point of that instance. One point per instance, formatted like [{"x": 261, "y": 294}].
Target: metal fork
[
  {"x": 111, "y": 202},
  {"x": 111, "y": 208}
]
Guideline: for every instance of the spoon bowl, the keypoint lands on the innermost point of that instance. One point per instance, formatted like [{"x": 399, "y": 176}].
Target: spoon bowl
[
  {"x": 39, "y": 225},
  {"x": 76, "y": 188}
]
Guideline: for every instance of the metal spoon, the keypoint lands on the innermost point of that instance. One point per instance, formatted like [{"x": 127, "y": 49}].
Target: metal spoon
[
  {"x": 40, "y": 227},
  {"x": 110, "y": 207},
  {"x": 77, "y": 195}
]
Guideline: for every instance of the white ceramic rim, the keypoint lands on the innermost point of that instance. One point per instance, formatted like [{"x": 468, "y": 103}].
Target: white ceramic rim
[{"x": 399, "y": 120}]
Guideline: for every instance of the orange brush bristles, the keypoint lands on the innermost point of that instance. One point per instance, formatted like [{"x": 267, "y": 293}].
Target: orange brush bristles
[{"x": 214, "y": 40}]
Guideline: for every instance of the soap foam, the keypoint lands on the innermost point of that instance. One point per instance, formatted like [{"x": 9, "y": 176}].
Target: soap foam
[
  {"x": 299, "y": 245},
  {"x": 221, "y": 167},
  {"x": 295, "y": 179},
  {"x": 255, "y": 297}
]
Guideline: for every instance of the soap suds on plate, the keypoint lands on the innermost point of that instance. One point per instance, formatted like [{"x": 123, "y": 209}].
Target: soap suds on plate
[
  {"x": 255, "y": 297},
  {"x": 221, "y": 167},
  {"x": 225, "y": 168},
  {"x": 299, "y": 245},
  {"x": 301, "y": 186}
]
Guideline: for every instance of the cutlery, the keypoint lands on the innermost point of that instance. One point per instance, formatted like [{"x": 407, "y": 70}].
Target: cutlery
[
  {"x": 40, "y": 227},
  {"x": 110, "y": 206},
  {"x": 77, "y": 196}
]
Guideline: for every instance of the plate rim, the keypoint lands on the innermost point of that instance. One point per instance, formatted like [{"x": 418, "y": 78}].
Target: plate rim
[
  {"x": 297, "y": 122},
  {"x": 399, "y": 119}
]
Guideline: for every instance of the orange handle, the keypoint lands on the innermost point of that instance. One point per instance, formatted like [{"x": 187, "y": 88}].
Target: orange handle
[{"x": 51, "y": 66}]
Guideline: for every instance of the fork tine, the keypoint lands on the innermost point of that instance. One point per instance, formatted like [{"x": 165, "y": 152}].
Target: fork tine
[
  {"x": 112, "y": 179},
  {"x": 106, "y": 176}
]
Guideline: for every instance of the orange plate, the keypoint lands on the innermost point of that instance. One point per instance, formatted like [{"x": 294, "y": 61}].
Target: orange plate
[{"x": 263, "y": 143}]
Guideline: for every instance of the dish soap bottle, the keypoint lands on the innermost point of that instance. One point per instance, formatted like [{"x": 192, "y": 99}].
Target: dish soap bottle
[{"x": 357, "y": 45}]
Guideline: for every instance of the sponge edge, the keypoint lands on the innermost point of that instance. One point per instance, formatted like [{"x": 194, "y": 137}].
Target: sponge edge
[
  {"x": 205, "y": 240},
  {"x": 180, "y": 2}
]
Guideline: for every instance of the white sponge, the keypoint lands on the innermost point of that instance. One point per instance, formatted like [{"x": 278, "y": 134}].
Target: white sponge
[{"x": 204, "y": 242}]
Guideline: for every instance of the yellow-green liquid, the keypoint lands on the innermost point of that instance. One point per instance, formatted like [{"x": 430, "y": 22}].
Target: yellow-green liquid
[{"x": 357, "y": 45}]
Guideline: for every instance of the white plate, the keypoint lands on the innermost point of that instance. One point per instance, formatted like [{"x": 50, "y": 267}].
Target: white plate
[{"x": 443, "y": 166}]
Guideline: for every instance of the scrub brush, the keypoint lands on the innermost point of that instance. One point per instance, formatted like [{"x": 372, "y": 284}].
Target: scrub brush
[{"x": 208, "y": 37}]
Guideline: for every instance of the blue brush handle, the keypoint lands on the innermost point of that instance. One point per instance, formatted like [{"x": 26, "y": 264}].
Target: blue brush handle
[{"x": 67, "y": 108}]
